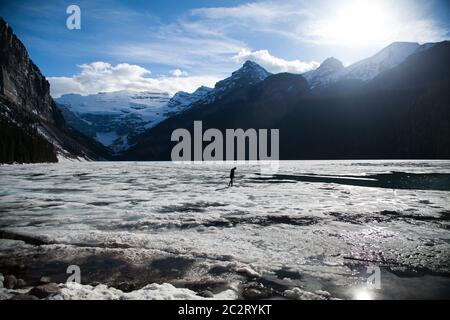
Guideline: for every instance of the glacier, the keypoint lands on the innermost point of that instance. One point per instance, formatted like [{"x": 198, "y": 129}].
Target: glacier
[{"x": 116, "y": 118}]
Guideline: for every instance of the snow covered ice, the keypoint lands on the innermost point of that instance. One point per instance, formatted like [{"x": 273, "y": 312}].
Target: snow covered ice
[{"x": 163, "y": 230}]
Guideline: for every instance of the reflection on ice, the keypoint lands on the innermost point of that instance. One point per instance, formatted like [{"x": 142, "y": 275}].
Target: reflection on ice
[{"x": 363, "y": 294}]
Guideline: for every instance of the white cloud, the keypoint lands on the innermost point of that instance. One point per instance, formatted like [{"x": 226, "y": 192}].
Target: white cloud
[
  {"x": 179, "y": 73},
  {"x": 103, "y": 77},
  {"x": 274, "y": 64},
  {"x": 62, "y": 85},
  {"x": 178, "y": 47},
  {"x": 266, "y": 12}
]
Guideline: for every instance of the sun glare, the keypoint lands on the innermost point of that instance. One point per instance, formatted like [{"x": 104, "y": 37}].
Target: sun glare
[
  {"x": 359, "y": 22},
  {"x": 362, "y": 294}
]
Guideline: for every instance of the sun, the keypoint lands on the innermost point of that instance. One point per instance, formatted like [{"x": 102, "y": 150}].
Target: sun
[
  {"x": 358, "y": 22},
  {"x": 362, "y": 21}
]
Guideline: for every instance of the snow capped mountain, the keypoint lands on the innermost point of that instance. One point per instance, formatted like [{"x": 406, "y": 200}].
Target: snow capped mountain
[
  {"x": 146, "y": 104},
  {"x": 250, "y": 73},
  {"x": 332, "y": 70},
  {"x": 387, "y": 58},
  {"x": 322, "y": 124},
  {"x": 325, "y": 73},
  {"x": 116, "y": 118},
  {"x": 182, "y": 99}
]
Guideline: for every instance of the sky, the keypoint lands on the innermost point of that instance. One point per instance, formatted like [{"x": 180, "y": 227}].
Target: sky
[{"x": 181, "y": 45}]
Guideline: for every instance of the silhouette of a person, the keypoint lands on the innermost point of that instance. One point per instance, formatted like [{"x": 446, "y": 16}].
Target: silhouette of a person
[{"x": 230, "y": 184}]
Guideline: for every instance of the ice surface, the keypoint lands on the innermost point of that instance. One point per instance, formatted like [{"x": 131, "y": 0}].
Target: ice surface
[
  {"x": 299, "y": 294},
  {"x": 302, "y": 234}
]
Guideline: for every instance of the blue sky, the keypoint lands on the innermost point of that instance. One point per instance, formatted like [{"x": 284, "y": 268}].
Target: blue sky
[{"x": 179, "y": 45}]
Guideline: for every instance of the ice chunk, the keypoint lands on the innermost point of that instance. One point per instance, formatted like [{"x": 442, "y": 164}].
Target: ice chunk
[
  {"x": 154, "y": 291},
  {"x": 248, "y": 271},
  {"x": 300, "y": 294}
]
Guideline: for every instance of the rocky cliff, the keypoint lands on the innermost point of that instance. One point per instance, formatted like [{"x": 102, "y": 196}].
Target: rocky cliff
[{"x": 32, "y": 127}]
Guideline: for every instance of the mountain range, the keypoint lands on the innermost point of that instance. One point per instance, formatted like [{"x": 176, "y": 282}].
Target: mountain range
[
  {"x": 394, "y": 105},
  {"x": 332, "y": 70},
  {"x": 116, "y": 119},
  {"x": 397, "y": 109}
]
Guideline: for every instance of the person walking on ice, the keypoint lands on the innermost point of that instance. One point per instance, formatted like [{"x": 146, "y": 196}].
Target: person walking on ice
[{"x": 230, "y": 184}]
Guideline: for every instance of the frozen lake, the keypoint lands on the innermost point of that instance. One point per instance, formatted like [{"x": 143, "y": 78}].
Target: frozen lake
[{"x": 315, "y": 226}]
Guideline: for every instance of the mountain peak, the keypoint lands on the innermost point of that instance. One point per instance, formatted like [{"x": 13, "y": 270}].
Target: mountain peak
[
  {"x": 249, "y": 73},
  {"x": 325, "y": 73},
  {"x": 397, "y": 51},
  {"x": 332, "y": 63},
  {"x": 251, "y": 70},
  {"x": 251, "y": 66},
  {"x": 385, "y": 59},
  {"x": 202, "y": 89},
  {"x": 402, "y": 44},
  {"x": 250, "y": 63}
]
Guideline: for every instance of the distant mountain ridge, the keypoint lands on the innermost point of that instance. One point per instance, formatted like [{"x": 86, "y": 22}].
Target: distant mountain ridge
[
  {"x": 402, "y": 112},
  {"x": 183, "y": 99},
  {"x": 116, "y": 118},
  {"x": 332, "y": 70}
]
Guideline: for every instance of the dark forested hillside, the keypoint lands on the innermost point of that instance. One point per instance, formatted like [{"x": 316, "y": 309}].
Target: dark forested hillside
[{"x": 22, "y": 143}]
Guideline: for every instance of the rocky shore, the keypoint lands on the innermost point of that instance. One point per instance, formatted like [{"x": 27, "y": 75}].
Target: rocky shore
[{"x": 13, "y": 288}]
